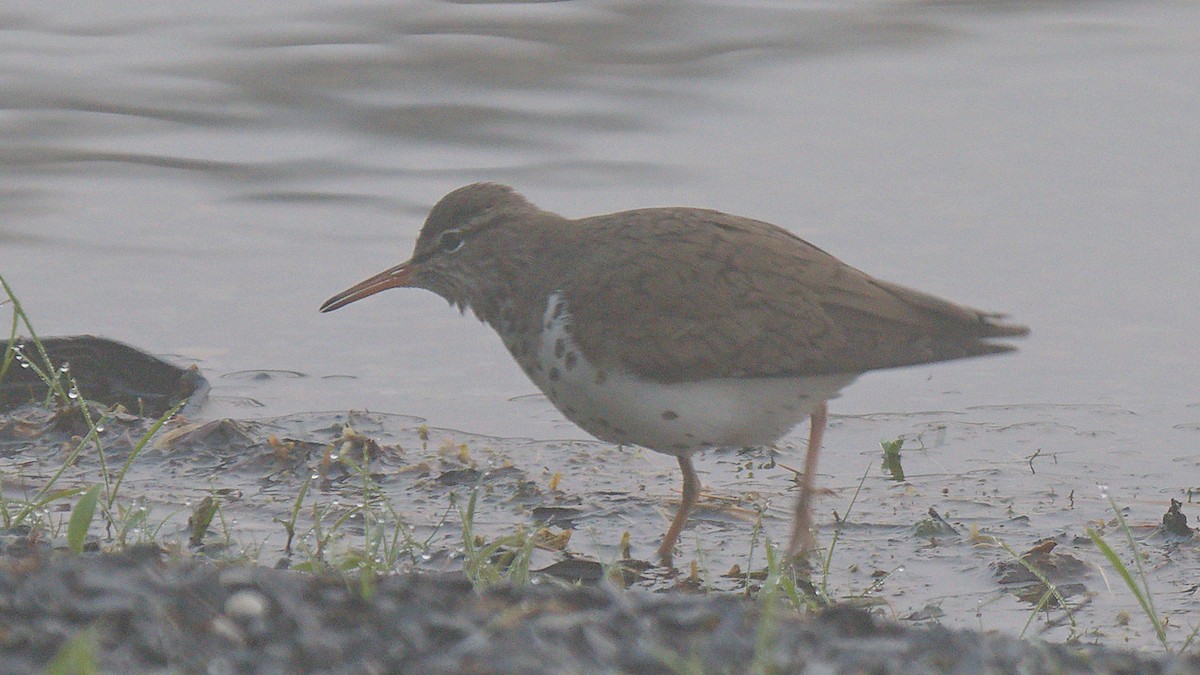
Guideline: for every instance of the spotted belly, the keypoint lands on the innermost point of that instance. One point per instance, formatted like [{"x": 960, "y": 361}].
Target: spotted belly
[{"x": 675, "y": 418}]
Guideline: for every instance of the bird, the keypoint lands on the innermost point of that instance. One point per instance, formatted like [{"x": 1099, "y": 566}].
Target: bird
[{"x": 678, "y": 329}]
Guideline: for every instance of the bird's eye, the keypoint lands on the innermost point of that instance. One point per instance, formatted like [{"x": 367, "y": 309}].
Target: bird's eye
[{"x": 450, "y": 241}]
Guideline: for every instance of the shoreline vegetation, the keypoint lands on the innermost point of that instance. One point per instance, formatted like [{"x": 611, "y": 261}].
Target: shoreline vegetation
[{"x": 96, "y": 576}]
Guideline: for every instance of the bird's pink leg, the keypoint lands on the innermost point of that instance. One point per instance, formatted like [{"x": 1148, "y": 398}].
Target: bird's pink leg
[
  {"x": 802, "y": 521},
  {"x": 691, "y": 490}
]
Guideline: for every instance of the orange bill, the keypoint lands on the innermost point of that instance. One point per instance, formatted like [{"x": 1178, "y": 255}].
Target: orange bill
[{"x": 394, "y": 277}]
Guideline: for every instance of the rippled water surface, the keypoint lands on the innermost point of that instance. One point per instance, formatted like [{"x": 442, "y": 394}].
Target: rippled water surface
[{"x": 196, "y": 179}]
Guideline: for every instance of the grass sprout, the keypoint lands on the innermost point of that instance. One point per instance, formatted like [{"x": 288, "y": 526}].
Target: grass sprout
[{"x": 1140, "y": 587}]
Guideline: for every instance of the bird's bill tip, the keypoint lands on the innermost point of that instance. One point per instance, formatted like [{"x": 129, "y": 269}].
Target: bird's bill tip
[{"x": 394, "y": 277}]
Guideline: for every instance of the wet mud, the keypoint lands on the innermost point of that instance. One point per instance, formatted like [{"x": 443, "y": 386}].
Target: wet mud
[{"x": 348, "y": 542}]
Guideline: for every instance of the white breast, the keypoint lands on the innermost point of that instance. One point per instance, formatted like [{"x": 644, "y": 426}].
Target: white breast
[{"x": 671, "y": 418}]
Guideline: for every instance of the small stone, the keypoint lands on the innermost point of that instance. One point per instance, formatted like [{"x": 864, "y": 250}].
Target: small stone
[{"x": 246, "y": 604}]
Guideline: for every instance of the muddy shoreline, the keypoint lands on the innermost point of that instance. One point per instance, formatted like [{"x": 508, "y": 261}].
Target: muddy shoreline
[
  {"x": 394, "y": 553},
  {"x": 148, "y": 613}
]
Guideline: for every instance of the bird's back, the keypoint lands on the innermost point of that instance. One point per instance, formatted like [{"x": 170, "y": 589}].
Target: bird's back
[{"x": 693, "y": 294}]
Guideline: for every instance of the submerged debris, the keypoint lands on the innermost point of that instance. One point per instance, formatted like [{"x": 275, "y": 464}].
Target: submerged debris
[
  {"x": 1175, "y": 522},
  {"x": 106, "y": 371}
]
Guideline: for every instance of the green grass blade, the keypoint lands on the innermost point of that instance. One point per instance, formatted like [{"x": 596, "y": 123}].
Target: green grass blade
[
  {"x": 137, "y": 450},
  {"x": 10, "y": 352},
  {"x": 81, "y": 518},
  {"x": 1051, "y": 588},
  {"x": 827, "y": 561},
  {"x": 1137, "y": 559},
  {"x": 77, "y": 656},
  {"x": 40, "y": 502},
  {"x": 289, "y": 525},
  {"x": 201, "y": 519},
  {"x": 1127, "y": 577},
  {"x": 69, "y": 461},
  {"x": 49, "y": 375}
]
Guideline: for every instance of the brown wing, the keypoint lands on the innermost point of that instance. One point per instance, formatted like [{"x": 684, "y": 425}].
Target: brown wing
[{"x": 725, "y": 296}]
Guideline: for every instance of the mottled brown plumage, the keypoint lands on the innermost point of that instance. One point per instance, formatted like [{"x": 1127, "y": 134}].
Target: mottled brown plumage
[
  {"x": 665, "y": 298},
  {"x": 736, "y": 297}
]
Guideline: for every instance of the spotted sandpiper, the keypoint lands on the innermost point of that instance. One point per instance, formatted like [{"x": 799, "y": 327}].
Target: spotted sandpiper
[{"x": 678, "y": 329}]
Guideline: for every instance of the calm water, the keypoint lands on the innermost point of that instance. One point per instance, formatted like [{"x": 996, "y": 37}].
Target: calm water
[{"x": 196, "y": 181}]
